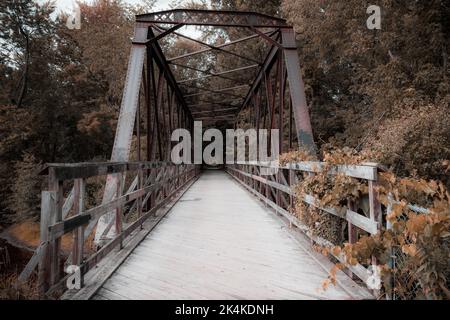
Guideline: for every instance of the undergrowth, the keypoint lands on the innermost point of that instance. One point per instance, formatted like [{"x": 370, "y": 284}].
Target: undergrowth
[
  {"x": 10, "y": 289},
  {"x": 413, "y": 254}
]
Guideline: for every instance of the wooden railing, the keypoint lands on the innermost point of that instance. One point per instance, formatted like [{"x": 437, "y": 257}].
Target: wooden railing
[
  {"x": 276, "y": 191},
  {"x": 154, "y": 186}
]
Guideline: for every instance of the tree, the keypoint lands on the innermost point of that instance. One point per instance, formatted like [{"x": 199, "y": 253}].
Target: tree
[
  {"x": 26, "y": 187},
  {"x": 70, "y": 84},
  {"x": 366, "y": 86},
  {"x": 22, "y": 22}
]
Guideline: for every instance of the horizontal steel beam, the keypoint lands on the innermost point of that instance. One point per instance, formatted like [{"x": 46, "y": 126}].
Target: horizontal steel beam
[
  {"x": 216, "y": 91},
  {"x": 224, "y": 103},
  {"x": 218, "y": 46},
  {"x": 215, "y": 110},
  {"x": 217, "y": 104},
  {"x": 212, "y": 18},
  {"x": 216, "y": 74},
  {"x": 161, "y": 35},
  {"x": 210, "y": 45},
  {"x": 203, "y": 71},
  {"x": 229, "y": 117}
]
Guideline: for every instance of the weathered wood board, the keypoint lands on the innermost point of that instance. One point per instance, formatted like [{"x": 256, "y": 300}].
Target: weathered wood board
[{"x": 219, "y": 242}]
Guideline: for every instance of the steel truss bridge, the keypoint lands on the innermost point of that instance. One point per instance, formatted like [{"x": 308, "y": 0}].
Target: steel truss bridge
[{"x": 165, "y": 231}]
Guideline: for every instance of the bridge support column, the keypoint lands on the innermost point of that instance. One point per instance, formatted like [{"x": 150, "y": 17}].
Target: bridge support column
[
  {"x": 125, "y": 125},
  {"x": 297, "y": 90}
]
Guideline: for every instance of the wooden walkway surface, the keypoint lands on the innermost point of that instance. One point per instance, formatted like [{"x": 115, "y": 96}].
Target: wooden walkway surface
[{"x": 219, "y": 242}]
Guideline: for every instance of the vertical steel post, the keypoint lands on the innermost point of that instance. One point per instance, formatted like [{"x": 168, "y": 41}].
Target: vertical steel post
[
  {"x": 297, "y": 90},
  {"x": 125, "y": 124}
]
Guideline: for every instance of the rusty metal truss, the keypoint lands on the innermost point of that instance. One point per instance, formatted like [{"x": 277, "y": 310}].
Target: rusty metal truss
[
  {"x": 218, "y": 82},
  {"x": 212, "y": 18}
]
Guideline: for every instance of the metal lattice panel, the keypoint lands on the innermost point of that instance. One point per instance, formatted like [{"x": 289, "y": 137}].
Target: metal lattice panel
[{"x": 213, "y": 18}]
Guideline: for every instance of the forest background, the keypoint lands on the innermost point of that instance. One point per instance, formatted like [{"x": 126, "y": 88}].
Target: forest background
[{"x": 383, "y": 92}]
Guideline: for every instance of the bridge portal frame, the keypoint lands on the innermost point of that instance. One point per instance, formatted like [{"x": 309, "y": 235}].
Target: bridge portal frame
[{"x": 145, "y": 46}]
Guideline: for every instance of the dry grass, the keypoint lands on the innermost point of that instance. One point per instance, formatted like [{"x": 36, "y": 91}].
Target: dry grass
[
  {"x": 10, "y": 290},
  {"x": 27, "y": 234}
]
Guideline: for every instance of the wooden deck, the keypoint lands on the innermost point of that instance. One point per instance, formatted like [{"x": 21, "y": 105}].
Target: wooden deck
[{"x": 219, "y": 242}]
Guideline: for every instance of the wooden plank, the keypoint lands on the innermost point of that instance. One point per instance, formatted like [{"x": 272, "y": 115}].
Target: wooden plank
[
  {"x": 108, "y": 267},
  {"x": 366, "y": 172},
  {"x": 208, "y": 249},
  {"x": 362, "y": 222},
  {"x": 358, "y": 270},
  {"x": 309, "y": 199},
  {"x": 31, "y": 265},
  {"x": 47, "y": 199},
  {"x": 78, "y": 234},
  {"x": 59, "y": 229},
  {"x": 273, "y": 184},
  {"x": 63, "y": 171},
  {"x": 93, "y": 260}
]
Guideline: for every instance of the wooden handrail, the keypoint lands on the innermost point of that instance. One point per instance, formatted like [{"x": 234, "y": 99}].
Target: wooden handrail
[
  {"x": 271, "y": 193},
  {"x": 62, "y": 171},
  {"x": 148, "y": 189},
  {"x": 59, "y": 229},
  {"x": 363, "y": 171}
]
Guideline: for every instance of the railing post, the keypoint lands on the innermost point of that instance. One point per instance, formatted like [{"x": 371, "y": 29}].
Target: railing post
[
  {"x": 267, "y": 191},
  {"x": 152, "y": 200},
  {"x": 375, "y": 214},
  {"x": 140, "y": 186},
  {"x": 78, "y": 234},
  {"x": 352, "y": 232},
  {"x": 177, "y": 177},
  {"x": 119, "y": 209},
  {"x": 255, "y": 182},
  {"x": 162, "y": 180},
  {"x": 44, "y": 269},
  {"x": 56, "y": 186},
  {"x": 392, "y": 260},
  {"x": 166, "y": 179},
  {"x": 278, "y": 192},
  {"x": 291, "y": 196},
  {"x": 170, "y": 182},
  {"x": 375, "y": 205},
  {"x": 245, "y": 178}
]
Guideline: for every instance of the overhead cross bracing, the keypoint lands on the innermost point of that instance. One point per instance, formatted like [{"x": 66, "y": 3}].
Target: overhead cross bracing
[
  {"x": 218, "y": 65},
  {"x": 174, "y": 79}
]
